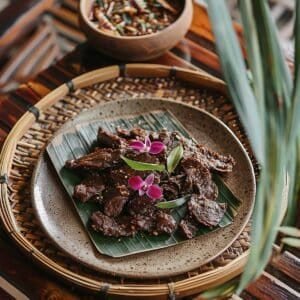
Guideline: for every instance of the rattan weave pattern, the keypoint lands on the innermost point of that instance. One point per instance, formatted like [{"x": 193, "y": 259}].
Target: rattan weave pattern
[{"x": 32, "y": 143}]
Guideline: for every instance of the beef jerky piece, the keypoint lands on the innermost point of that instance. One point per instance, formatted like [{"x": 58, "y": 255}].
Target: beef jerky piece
[
  {"x": 164, "y": 136},
  {"x": 170, "y": 139},
  {"x": 109, "y": 226},
  {"x": 90, "y": 188},
  {"x": 126, "y": 226},
  {"x": 141, "y": 205},
  {"x": 165, "y": 223},
  {"x": 121, "y": 175},
  {"x": 213, "y": 160},
  {"x": 123, "y": 133},
  {"x": 115, "y": 199},
  {"x": 187, "y": 229},
  {"x": 138, "y": 132},
  {"x": 142, "y": 157},
  {"x": 109, "y": 140},
  {"x": 101, "y": 223},
  {"x": 172, "y": 186},
  {"x": 134, "y": 133},
  {"x": 206, "y": 212},
  {"x": 198, "y": 179},
  {"x": 97, "y": 160},
  {"x": 143, "y": 223}
]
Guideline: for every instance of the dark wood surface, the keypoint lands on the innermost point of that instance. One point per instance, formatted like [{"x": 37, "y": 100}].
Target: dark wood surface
[{"x": 282, "y": 276}]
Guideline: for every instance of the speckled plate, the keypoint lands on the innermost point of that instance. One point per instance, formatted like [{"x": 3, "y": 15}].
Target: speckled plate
[{"x": 60, "y": 221}]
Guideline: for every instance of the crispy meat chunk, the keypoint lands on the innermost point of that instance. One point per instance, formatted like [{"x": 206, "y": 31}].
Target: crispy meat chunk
[
  {"x": 141, "y": 205},
  {"x": 206, "y": 212},
  {"x": 97, "y": 160},
  {"x": 108, "y": 140},
  {"x": 165, "y": 223},
  {"x": 172, "y": 186},
  {"x": 198, "y": 179},
  {"x": 138, "y": 132},
  {"x": 142, "y": 157},
  {"x": 187, "y": 228},
  {"x": 123, "y": 133},
  {"x": 215, "y": 161},
  {"x": 114, "y": 200},
  {"x": 120, "y": 175},
  {"x": 111, "y": 227},
  {"x": 143, "y": 223},
  {"x": 90, "y": 188}
]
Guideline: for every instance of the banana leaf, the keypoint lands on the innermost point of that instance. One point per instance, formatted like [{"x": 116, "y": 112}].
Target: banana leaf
[{"x": 75, "y": 142}]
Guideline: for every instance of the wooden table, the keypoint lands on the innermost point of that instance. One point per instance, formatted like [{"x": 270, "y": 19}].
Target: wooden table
[{"x": 20, "y": 278}]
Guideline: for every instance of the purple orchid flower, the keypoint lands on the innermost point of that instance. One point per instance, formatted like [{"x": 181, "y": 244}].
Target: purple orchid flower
[
  {"x": 147, "y": 146},
  {"x": 153, "y": 191}
]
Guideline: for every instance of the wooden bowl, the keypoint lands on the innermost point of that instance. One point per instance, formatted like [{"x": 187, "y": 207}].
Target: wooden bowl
[{"x": 137, "y": 48}]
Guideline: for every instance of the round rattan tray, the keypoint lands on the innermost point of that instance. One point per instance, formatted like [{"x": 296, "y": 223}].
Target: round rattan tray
[{"x": 30, "y": 135}]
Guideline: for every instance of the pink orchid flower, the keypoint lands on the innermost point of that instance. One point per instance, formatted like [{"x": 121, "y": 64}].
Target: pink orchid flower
[
  {"x": 147, "y": 146},
  {"x": 153, "y": 191}
]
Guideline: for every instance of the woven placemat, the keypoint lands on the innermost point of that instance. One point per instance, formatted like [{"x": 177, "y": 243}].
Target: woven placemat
[{"x": 29, "y": 147}]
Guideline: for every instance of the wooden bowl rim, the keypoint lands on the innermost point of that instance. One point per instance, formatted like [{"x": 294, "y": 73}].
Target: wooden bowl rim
[{"x": 187, "y": 6}]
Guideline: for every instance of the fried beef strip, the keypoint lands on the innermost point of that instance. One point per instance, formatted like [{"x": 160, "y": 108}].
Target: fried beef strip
[
  {"x": 141, "y": 205},
  {"x": 114, "y": 200},
  {"x": 110, "y": 226},
  {"x": 198, "y": 179},
  {"x": 97, "y": 160},
  {"x": 142, "y": 157},
  {"x": 143, "y": 223},
  {"x": 90, "y": 188},
  {"x": 108, "y": 140},
  {"x": 187, "y": 228},
  {"x": 135, "y": 133},
  {"x": 205, "y": 211},
  {"x": 121, "y": 174},
  {"x": 165, "y": 223},
  {"x": 172, "y": 186},
  {"x": 215, "y": 161}
]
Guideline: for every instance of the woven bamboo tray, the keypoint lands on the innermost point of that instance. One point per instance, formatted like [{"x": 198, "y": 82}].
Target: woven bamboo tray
[{"x": 30, "y": 135}]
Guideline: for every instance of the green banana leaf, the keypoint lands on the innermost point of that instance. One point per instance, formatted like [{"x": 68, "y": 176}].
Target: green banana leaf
[{"x": 77, "y": 141}]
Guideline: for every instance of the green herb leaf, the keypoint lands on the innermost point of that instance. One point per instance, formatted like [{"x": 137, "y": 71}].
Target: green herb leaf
[
  {"x": 174, "y": 158},
  {"x": 291, "y": 231},
  {"x": 141, "y": 166},
  {"x": 293, "y": 242},
  {"x": 173, "y": 203}
]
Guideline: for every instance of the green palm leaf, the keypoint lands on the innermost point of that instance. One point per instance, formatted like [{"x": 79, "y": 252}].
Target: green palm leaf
[
  {"x": 276, "y": 103},
  {"x": 235, "y": 74}
]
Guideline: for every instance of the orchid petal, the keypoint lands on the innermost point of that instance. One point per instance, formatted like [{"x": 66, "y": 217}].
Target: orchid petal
[
  {"x": 156, "y": 147},
  {"x": 150, "y": 179},
  {"x": 154, "y": 192},
  {"x": 136, "y": 182},
  {"x": 147, "y": 142},
  {"x": 137, "y": 145}
]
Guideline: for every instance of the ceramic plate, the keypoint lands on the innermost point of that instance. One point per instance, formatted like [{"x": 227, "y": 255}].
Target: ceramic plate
[{"x": 61, "y": 222}]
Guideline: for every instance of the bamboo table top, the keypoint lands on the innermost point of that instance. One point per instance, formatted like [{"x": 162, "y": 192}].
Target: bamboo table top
[{"x": 20, "y": 278}]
